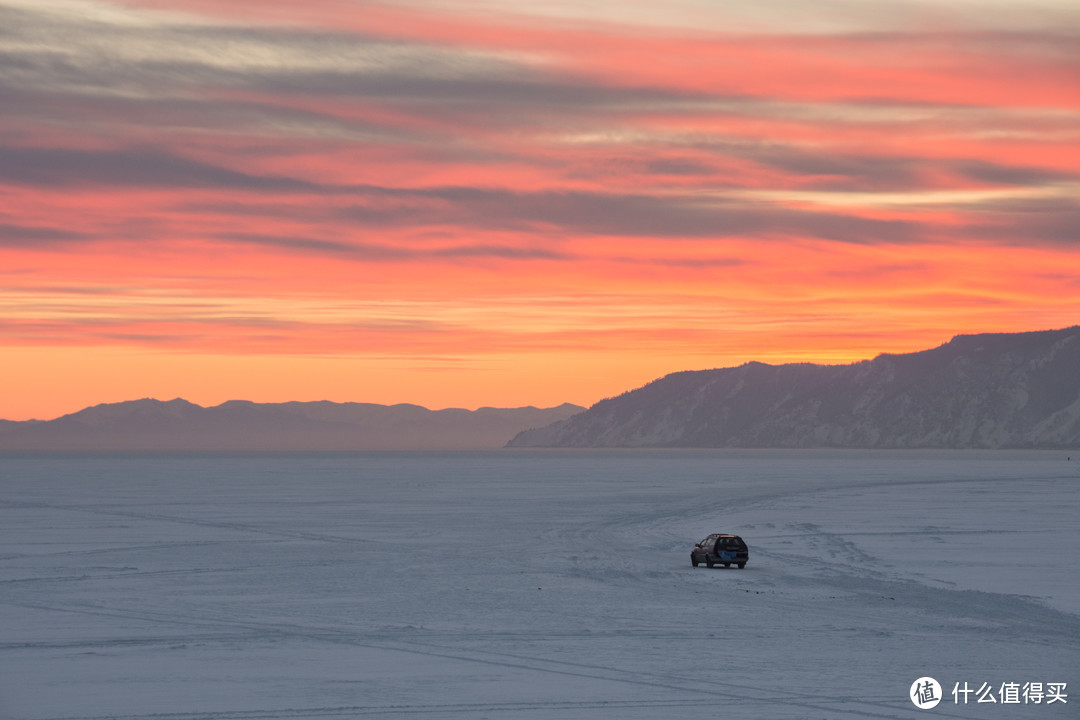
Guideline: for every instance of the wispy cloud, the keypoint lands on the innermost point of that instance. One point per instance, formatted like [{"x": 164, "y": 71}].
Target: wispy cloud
[{"x": 797, "y": 175}]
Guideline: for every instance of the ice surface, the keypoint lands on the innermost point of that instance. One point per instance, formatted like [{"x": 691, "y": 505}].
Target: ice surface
[{"x": 533, "y": 584}]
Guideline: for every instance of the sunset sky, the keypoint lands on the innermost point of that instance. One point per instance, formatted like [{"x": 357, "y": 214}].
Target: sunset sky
[{"x": 459, "y": 203}]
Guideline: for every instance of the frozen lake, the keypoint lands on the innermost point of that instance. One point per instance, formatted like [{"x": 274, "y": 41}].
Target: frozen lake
[{"x": 531, "y": 584}]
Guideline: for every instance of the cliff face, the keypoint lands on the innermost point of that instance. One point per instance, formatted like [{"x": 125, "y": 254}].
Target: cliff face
[
  {"x": 179, "y": 425},
  {"x": 977, "y": 391}
]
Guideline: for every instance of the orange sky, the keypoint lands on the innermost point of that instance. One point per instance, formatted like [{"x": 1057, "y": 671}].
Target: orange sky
[{"x": 467, "y": 203}]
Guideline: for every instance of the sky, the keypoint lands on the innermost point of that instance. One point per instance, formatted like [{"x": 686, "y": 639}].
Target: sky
[{"x": 465, "y": 203}]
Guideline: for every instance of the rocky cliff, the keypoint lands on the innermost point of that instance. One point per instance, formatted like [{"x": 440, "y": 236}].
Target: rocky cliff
[{"x": 976, "y": 391}]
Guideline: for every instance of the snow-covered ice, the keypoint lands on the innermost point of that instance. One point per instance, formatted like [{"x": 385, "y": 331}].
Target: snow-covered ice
[{"x": 532, "y": 584}]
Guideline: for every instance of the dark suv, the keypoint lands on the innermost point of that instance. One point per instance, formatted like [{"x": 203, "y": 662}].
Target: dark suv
[{"x": 720, "y": 548}]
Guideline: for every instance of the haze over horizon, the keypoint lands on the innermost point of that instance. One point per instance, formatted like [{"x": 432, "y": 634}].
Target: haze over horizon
[{"x": 462, "y": 203}]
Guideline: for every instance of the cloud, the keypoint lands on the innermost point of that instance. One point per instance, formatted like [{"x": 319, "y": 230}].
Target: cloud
[
  {"x": 559, "y": 213},
  {"x": 1001, "y": 174},
  {"x": 463, "y": 210},
  {"x": 35, "y": 236},
  {"x": 44, "y": 52},
  {"x": 1028, "y": 224},
  {"x": 625, "y": 214},
  {"x": 61, "y": 167},
  {"x": 840, "y": 171},
  {"x": 369, "y": 252},
  {"x": 672, "y": 166},
  {"x": 309, "y": 162},
  {"x": 871, "y": 171}
]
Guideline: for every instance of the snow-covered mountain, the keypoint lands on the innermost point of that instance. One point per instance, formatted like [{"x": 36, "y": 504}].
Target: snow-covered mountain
[
  {"x": 977, "y": 391},
  {"x": 299, "y": 426}
]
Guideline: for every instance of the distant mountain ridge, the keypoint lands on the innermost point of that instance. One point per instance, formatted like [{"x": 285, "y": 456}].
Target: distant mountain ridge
[
  {"x": 1018, "y": 390},
  {"x": 239, "y": 425}
]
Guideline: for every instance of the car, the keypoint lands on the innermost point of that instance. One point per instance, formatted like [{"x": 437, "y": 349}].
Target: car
[{"x": 720, "y": 548}]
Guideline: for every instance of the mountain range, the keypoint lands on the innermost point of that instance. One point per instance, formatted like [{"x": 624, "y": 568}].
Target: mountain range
[
  {"x": 1019, "y": 390},
  {"x": 178, "y": 425}
]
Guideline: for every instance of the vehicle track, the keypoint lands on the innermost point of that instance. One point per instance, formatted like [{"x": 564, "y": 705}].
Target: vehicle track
[
  {"x": 441, "y": 710},
  {"x": 738, "y": 693},
  {"x": 160, "y": 517},
  {"x": 649, "y": 531}
]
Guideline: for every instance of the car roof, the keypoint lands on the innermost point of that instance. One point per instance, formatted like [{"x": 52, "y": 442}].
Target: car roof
[{"x": 723, "y": 535}]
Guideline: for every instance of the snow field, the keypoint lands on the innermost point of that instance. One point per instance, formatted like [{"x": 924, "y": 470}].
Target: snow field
[{"x": 533, "y": 584}]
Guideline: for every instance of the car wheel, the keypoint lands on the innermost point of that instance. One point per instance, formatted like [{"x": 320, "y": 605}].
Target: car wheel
[
  {"x": 693, "y": 561},
  {"x": 742, "y": 565},
  {"x": 727, "y": 564},
  {"x": 709, "y": 562}
]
